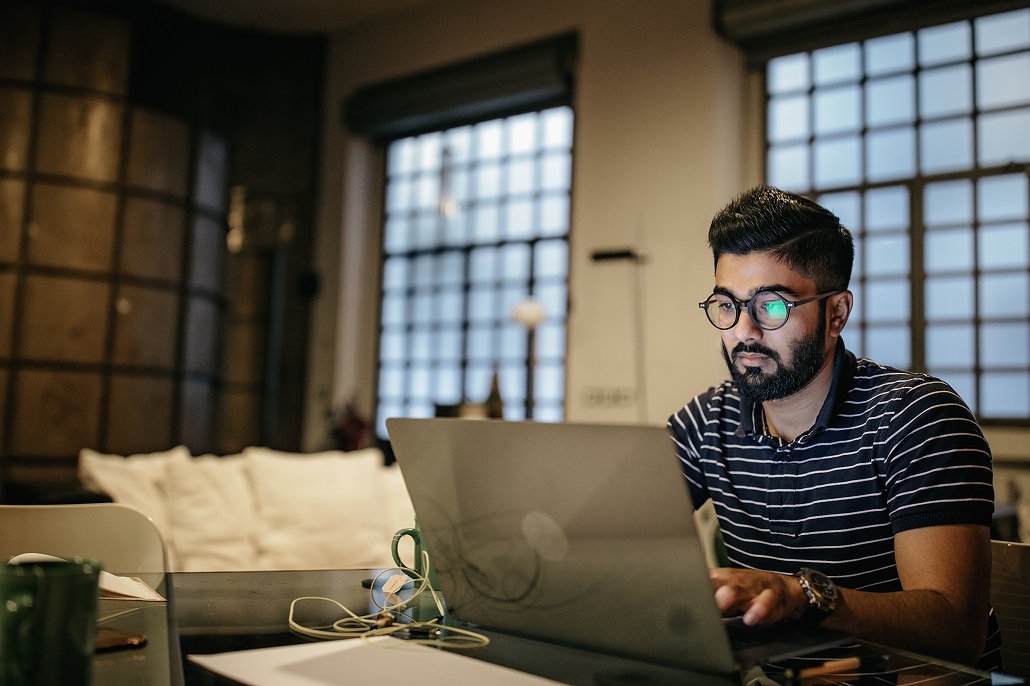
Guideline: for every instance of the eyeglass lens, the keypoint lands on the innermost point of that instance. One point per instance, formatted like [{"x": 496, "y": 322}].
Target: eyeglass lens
[{"x": 768, "y": 310}]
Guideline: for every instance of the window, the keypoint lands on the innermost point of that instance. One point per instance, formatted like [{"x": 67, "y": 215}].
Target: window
[
  {"x": 476, "y": 223},
  {"x": 920, "y": 141}
]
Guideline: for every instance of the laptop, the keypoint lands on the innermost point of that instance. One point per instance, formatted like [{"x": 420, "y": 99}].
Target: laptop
[{"x": 580, "y": 534}]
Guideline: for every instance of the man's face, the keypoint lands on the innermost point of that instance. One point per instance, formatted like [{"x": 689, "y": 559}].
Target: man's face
[{"x": 769, "y": 365}]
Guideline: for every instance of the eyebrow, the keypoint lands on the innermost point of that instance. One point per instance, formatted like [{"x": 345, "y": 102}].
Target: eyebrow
[{"x": 776, "y": 288}]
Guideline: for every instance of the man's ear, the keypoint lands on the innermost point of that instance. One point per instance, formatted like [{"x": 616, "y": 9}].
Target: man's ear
[{"x": 840, "y": 309}]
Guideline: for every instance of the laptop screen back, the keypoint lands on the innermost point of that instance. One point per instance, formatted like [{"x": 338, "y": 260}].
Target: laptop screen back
[{"x": 577, "y": 533}]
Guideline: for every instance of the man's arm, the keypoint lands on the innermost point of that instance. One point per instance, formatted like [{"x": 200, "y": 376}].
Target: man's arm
[{"x": 945, "y": 572}]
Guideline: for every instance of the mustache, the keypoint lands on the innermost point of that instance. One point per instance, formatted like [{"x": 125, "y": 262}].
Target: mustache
[{"x": 755, "y": 348}]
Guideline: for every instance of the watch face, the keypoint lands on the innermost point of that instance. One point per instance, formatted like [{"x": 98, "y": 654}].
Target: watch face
[{"x": 822, "y": 585}]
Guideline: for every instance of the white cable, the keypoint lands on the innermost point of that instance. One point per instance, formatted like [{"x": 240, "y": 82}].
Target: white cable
[{"x": 381, "y": 622}]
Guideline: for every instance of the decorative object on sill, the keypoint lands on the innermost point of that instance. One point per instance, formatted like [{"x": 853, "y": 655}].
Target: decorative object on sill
[
  {"x": 494, "y": 404},
  {"x": 351, "y": 430}
]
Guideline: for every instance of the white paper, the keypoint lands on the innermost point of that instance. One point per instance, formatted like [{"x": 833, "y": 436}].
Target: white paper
[
  {"x": 381, "y": 660},
  {"x": 111, "y": 585}
]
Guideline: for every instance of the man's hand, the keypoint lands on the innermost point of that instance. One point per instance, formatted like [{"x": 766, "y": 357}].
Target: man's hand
[
  {"x": 942, "y": 611},
  {"x": 762, "y": 597}
]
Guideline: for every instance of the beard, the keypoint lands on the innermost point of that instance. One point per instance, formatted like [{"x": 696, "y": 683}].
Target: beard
[{"x": 758, "y": 386}]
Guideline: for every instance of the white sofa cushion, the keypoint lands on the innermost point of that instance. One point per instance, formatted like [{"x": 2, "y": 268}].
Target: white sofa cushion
[
  {"x": 212, "y": 514},
  {"x": 319, "y": 510},
  {"x": 136, "y": 480}
]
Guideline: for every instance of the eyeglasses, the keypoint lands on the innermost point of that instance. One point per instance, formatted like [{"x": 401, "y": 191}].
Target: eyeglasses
[{"x": 768, "y": 310}]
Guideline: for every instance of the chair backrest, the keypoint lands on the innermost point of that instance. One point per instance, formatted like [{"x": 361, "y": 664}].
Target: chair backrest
[
  {"x": 1010, "y": 595},
  {"x": 123, "y": 539}
]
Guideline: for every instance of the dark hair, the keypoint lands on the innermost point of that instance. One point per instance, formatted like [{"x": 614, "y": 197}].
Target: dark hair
[{"x": 802, "y": 233}]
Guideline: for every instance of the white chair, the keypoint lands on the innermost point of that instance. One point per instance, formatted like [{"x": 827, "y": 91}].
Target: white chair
[
  {"x": 1010, "y": 596},
  {"x": 123, "y": 539}
]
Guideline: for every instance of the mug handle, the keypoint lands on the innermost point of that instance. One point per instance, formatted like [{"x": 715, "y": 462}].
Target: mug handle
[{"x": 415, "y": 536}]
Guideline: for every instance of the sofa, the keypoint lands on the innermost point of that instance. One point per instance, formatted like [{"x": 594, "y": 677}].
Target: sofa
[{"x": 261, "y": 508}]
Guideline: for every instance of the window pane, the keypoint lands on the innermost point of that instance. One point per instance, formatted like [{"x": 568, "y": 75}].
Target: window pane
[
  {"x": 552, "y": 258},
  {"x": 477, "y": 381},
  {"x": 1003, "y": 81},
  {"x": 837, "y": 64},
  {"x": 788, "y": 118},
  {"x": 1005, "y": 395},
  {"x": 487, "y": 139},
  {"x": 513, "y": 342},
  {"x": 447, "y": 343},
  {"x": 459, "y": 143},
  {"x": 1006, "y": 245},
  {"x": 949, "y": 298},
  {"x": 392, "y": 346},
  {"x": 521, "y": 176},
  {"x": 419, "y": 382},
  {"x": 556, "y": 172},
  {"x": 400, "y": 157},
  {"x": 398, "y": 196},
  {"x": 394, "y": 309},
  {"x": 838, "y": 110},
  {"x": 886, "y": 209},
  {"x": 485, "y": 223},
  {"x": 891, "y": 154},
  {"x": 1002, "y": 137},
  {"x": 554, "y": 215},
  {"x": 944, "y": 43},
  {"x": 837, "y": 161},
  {"x": 557, "y": 125},
  {"x": 522, "y": 133},
  {"x": 550, "y": 341},
  {"x": 421, "y": 345},
  {"x": 447, "y": 385},
  {"x": 889, "y": 346},
  {"x": 946, "y": 146},
  {"x": 890, "y": 101},
  {"x": 395, "y": 273},
  {"x": 946, "y": 91},
  {"x": 450, "y": 305},
  {"x": 518, "y": 219},
  {"x": 482, "y": 305},
  {"x": 950, "y": 345},
  {"x": 483, "y": 265},
  {"x": 886, "y": 255},
  {"x": 790, "y": 73},
  {"x": 1002, "y": 197},
  {"x": 889, "y": 54},
  {"x": 1005, "y": 295},
  {"x": 391, "y": 381},
  {"x": 949, "y": 202},
  {"x": 515, "y": 262},
  {"x": 788, "y": 166},
  {"x": 430, "y": 147},
  {"x": 949, "y": 250},
  {"x": 554, "y": 299},
  {"x": 1005, "y": 345},
  {"x": 480, "y": 344},
  {"x": 887, "y": 301},
  {"x": 1002, "y": 32},
  {"x": 549, "y": 383}
]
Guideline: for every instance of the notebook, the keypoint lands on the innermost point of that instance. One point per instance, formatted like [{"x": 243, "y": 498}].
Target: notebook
[{"x": 581, "y": 534}]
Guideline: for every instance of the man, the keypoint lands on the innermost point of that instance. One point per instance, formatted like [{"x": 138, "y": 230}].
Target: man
[{"x": 849, "y": 494}]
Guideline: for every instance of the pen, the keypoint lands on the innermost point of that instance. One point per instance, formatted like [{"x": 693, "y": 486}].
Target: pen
[{"x": 843, "y": 666}]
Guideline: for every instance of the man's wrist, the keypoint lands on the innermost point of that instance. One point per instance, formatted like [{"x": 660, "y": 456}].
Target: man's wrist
[{"x": 820, "y": 594}]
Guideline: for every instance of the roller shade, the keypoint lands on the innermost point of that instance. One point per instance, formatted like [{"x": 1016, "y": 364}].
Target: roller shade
[
  {"x": 769, "y": 28},
  {"x": 521, "y": 79}
]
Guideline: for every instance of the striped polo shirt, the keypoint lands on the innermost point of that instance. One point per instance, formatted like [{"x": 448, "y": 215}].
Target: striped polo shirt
[{"x": 890, "y": 451}]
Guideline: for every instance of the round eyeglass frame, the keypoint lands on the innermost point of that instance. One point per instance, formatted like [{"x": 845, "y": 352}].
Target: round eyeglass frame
[{"x": 749, "y": 305}]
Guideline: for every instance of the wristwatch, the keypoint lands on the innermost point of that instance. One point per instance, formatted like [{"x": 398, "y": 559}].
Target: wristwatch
[{"x": 822, "y": 595}]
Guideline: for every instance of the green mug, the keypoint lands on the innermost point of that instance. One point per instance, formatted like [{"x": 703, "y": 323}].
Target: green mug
[
  {"x": 48, "y": 622},
  {"x": 420, "y": 568}
]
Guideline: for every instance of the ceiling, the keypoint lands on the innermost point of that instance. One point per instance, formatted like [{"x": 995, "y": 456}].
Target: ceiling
[{"x": 295, "y": 16}]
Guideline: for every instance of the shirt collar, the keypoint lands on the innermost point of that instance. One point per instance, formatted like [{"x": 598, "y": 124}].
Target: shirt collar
[{"x": 752, "y": 416}]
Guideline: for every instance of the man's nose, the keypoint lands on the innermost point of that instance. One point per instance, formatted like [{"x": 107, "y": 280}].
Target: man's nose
[{"x": 745, "y": 329}]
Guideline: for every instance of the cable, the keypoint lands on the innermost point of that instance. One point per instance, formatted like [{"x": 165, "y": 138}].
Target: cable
[{"x": 382, "y": 622}]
